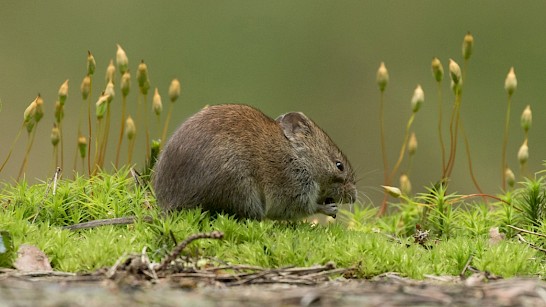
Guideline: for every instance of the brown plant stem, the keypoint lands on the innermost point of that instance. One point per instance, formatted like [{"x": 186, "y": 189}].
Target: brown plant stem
[
  {"x": 30, "y": 141},
  {"x": 454, "y": 134},
  {"x": 89, "y": 140},
  {"x": 122, "y": 128},
  {"x": 96, "y": 157},
  {"x": 402, "y": 149},
  {"x": 382, "y": 131},
  {"x": 130, "y": 148},
  {"x": 147, "y": 126},
  {"x": 158, "y": 128},
  {"x": 55, "y": 157},
  {"x": 61, "y": 143},
  {"x": 390, "y": 177},
  {"x": 166, "y": 124},
  {"x": 442, "y": 146},
  {"x": 383, "y": 207},
  {"x": 104, "y": 138},
  {"x": 467, "y": 147},
  {"x": 11, "y": 147},
  {"x": 505, "y": 141}
]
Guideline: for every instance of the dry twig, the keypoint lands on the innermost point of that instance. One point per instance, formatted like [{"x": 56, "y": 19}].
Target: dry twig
[
  {"x": 230, "y": 275},
  {"x": 245, "y": 275},
  {"x": 114, "y": 221},
  {"x": 520, "y": 237},
  {"x": 466, "y": 266},
  {"x": 178, "y": 249},
  {"x": 527, "y": 231}
]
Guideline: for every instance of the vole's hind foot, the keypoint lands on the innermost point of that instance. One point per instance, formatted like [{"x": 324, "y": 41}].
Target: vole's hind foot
[{"x": 328, "y": 209}]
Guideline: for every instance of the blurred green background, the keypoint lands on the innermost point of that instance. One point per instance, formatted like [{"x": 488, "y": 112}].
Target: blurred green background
[{"x": 319, "y": 57}]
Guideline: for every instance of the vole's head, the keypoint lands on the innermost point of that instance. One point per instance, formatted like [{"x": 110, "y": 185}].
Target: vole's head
[{"x": 324, "y": 161}]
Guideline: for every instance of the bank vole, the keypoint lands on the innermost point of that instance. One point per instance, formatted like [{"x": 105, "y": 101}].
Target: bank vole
[{"x": 234, "y": 159}]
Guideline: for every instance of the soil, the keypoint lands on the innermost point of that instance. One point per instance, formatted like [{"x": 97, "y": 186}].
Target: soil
[{"x": 60, "y": 289}]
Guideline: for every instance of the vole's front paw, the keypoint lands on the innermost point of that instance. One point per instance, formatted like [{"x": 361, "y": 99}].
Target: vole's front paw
[{"x": 328, "y": 209}]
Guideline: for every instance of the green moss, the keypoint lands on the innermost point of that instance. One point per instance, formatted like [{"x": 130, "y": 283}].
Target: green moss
[{"x": 33, "y": 215}]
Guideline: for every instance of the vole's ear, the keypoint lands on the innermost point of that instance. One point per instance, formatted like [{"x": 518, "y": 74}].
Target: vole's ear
[{"x": 294, "y": 125}]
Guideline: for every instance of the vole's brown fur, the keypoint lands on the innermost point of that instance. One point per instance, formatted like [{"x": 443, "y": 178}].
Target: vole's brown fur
[{"x": 235, "y": 159}]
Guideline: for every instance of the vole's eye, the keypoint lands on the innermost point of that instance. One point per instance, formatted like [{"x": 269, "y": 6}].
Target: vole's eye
[{"x": 340, "y": 166}]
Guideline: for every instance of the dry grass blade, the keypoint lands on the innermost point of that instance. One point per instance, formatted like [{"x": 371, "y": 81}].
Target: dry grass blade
[
  {"x": 527, "y": 231},
  {"x": 520, "y": 237}
]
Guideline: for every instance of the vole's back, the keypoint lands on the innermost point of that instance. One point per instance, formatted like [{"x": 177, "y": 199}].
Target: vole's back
[{"x": 217, "y": 160}]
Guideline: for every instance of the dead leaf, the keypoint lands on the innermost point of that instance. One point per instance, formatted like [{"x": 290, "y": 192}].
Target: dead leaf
[
  {"x": 495, "y": 236},
  {"x": 31, "y": 259}
]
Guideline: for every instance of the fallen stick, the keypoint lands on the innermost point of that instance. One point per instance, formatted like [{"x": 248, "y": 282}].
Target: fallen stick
[
  {"x": 114, "y": 221},
  {"x": 180, "y": 247}
]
